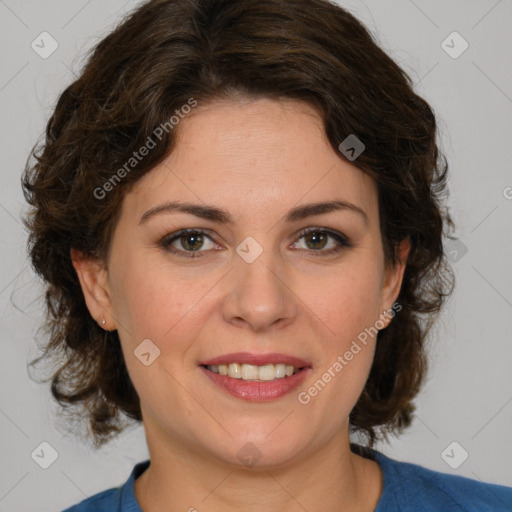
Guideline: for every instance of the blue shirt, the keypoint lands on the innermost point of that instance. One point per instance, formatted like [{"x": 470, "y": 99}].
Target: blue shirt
[{"x": 406, "y": 488}]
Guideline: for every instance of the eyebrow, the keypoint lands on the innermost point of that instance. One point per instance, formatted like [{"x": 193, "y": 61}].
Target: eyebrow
[{"x": 217, "y": 215}]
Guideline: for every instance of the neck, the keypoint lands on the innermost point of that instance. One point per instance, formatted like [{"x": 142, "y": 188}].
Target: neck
[{"x": 332, "y": 478}]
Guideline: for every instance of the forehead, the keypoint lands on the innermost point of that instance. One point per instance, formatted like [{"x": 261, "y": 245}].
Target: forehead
[{"x": 253, "y": 157}]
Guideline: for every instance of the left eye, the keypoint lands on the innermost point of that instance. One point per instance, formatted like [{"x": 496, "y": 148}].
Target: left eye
[
  {"x": 193, "y": 240},
  {"x": 318, "y": 238}
]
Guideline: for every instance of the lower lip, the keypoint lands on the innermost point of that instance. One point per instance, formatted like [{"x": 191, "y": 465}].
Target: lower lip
[{"x": 257, "y": 391}]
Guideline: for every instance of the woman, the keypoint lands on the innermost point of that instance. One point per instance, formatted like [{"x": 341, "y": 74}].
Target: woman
[{"x": 238, "y": 213}]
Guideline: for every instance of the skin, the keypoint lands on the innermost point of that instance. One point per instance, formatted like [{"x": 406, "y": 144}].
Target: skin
[{"x": 255, "y": 158}]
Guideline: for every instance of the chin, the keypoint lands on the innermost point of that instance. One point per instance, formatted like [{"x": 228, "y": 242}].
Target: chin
[{"x": 259, "y": 452}]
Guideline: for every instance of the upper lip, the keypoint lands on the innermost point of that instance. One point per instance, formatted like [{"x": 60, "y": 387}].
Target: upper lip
[{"x": 257, "y": 359}]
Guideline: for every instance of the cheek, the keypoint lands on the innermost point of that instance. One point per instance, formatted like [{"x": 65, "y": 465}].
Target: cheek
[
  {"x": 163, "y": 306},
  {"x": 348, "y": 305},
  {"x": 154, "y": 300},
  {"x": 346, "y": 300}
]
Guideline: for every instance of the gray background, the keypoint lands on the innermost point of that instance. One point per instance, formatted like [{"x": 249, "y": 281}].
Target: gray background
[{"x": 468, "y": 395}]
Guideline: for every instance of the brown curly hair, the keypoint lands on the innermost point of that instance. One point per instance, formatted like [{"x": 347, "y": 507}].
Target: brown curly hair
[{"x": 168, "y": 51}]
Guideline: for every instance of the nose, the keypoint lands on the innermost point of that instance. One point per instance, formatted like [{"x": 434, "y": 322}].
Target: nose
[{"x": 259, "y": 296}]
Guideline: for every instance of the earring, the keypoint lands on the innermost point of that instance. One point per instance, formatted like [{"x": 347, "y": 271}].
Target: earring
[
  {"x": 103, "y": 322},
  {"x": 385, "y": 319}
]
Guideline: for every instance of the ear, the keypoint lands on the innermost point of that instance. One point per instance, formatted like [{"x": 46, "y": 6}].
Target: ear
[
  {"x": 92, "y": 275},
  {"x": 393, "y": 276}
]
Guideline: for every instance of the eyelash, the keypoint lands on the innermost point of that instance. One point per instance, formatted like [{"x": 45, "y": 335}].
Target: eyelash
[{"x": 342, "y": 241}]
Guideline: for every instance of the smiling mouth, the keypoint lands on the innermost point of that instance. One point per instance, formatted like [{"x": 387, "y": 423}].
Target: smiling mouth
[{"x": 255, "y": 373}]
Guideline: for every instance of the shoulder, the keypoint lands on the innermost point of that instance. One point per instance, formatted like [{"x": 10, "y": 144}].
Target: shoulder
[
  {"x": 411, "y": 487},
  {"x": 109, "y": 500},
  {"x": 105, "y": 501},
  {"x": 442, "y": 491},
  {"x": 116, "y": 499}
]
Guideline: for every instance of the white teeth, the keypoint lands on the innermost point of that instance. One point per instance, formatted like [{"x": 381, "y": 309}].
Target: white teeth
[
  {"x": 280, "y": 370},
  {"x": 253, "y": 372},
  {"x": 267, "y": 372},
  {"x": 249, "y": 372},
  {"x": 235, "y": 371}
]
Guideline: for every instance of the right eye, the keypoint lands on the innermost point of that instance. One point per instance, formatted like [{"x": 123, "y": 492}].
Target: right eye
[{"x": 190, "y": 240}]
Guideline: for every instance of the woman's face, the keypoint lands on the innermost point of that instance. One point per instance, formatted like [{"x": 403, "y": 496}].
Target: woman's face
[{"x": 253, "y": 286}]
